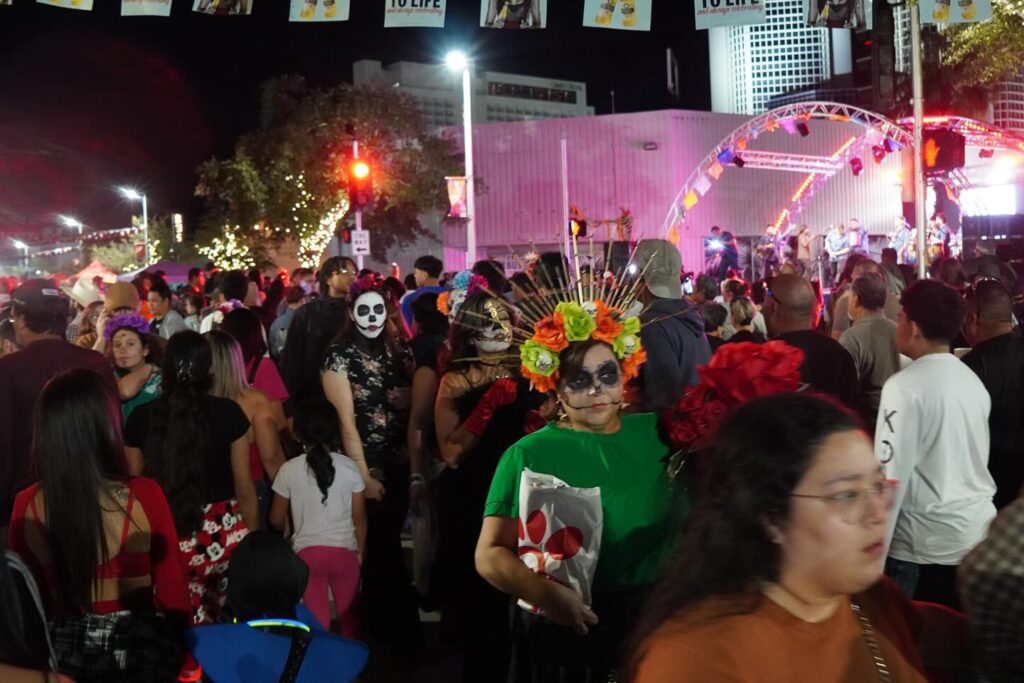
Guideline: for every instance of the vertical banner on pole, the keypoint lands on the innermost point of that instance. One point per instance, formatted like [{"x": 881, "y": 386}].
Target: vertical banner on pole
[
  {"x": 855, "y": 14},
  {"x": 955, "y": 11},
  {"x": 505, "y": 15},
  {"x": 145, "y": 8},
  {"x": 457, "y": 196},
  {"x": 223, "y": 7},
  {"x": 414, "y": 13},
  {"x": 625, "y": 15},
  {"x": 85, "y": 5},
  {"x": 715, "y": 13},
  {"x": 318, "y": 10}
]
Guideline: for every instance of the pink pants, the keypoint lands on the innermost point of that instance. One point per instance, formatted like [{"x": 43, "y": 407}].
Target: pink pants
[{"x": 339, "y": 569}]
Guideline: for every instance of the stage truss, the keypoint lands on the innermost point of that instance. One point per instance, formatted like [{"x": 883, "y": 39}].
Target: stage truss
[{"x": 875, "y": 130}]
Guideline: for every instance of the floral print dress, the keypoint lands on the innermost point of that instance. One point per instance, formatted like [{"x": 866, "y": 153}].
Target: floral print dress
[{"x": 378, "y": 381}]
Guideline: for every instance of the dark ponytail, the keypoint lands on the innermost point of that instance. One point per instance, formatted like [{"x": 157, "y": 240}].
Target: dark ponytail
[
  {"x": 179, "y": 429},
  {"x": 316, "y": 425}
]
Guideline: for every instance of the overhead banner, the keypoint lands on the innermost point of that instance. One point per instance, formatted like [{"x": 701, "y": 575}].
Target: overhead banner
[
  {"x": 714, "y": 13},
  {"x": 854, "y": 14},
  {"x": 414, "y": 13},
  {"x": 318, "y": 10},
  {"x": 955, "y": 11},
  {"x": 145, "y": 8},
  {"x": 223, "y": 7},
  {"x": 625, "y": 15},
  {"x": 513, "y": 15},
  {"x": 85, "y": 5}
]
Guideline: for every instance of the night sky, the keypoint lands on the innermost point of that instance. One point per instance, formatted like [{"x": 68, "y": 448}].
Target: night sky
[{"x": 90, "y": 100}]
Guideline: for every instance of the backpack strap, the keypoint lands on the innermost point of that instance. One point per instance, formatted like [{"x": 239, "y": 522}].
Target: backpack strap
[
  {"x": 255, "y": 367},
  {"x": 296, "y": 655}
]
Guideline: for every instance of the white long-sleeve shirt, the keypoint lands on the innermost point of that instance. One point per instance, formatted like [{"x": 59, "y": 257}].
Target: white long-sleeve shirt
[{"x": 932, "y": 435}]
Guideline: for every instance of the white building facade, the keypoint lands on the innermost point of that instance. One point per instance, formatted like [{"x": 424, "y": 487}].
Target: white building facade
[
  {"x": 1008, "y": 104},
  {"x": 497, "y": 97}
]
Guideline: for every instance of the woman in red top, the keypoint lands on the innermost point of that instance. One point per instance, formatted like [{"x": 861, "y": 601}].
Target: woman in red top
[{"x": 101, "y": 544}]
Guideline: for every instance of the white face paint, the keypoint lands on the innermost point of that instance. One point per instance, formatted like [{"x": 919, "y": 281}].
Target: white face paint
[
  {"x": 497, "y": 336},
  {"x": 370, "y": 314}
]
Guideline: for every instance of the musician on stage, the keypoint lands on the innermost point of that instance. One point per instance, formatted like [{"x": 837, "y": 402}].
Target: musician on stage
[
  {"x": 899, "y": 239},
  {"x": 837, "y": 246},
  {"x": 766, "y": 264}
]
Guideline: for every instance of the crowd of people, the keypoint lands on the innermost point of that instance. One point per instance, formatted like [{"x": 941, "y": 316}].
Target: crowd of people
[{"x": 627, "y": 477}]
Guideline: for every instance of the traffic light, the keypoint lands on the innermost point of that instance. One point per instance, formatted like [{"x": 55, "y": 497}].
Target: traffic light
[
  {"x": 578, "y": 227},
  {"x": 346, "y": 235},
  {"x": 360, "y": 184},
  {"x": 943, "y": 151}
]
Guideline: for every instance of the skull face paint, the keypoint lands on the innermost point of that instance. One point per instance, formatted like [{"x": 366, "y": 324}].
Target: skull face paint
[
  {"x": 370, "y": 314},
  {"x": 495, "y": 336}
]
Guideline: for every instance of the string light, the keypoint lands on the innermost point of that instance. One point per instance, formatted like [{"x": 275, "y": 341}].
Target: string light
[
  {"x": 313, "y": 237},
  {"x": 228, "y": 252}
]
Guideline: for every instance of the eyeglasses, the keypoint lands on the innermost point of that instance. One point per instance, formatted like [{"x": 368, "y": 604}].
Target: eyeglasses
[
  {"x": 852, "y": 504},
  {"x": 768, "y": 291}
]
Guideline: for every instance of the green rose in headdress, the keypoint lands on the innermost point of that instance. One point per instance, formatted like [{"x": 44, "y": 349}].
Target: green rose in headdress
[
  {"x": 538, "y": 359},
  {"x": 578, "y": 323}
]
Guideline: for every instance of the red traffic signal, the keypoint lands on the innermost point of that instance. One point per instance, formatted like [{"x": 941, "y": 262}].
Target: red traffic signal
[{"x": 360, "y": 184}]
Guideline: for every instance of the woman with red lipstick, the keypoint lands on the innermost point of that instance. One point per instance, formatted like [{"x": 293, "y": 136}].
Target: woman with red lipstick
[{"x": 779, "y": 576}]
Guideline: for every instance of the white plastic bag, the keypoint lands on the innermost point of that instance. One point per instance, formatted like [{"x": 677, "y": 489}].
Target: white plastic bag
[{"x": 559, "y": 532}]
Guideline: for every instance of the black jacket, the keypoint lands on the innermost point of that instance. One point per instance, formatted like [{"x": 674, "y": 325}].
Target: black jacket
[{"x": 673, "y": 336}]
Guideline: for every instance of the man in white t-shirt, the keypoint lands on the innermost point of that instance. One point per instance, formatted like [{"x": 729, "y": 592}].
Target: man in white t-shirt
[{"x": 932, "y": 435}]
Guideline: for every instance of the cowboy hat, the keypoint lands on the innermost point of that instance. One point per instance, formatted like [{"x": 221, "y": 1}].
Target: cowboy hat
[{"x": 83, "y": 293}]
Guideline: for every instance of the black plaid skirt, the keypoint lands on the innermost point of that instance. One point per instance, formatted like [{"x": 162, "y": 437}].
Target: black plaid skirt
[{"x": 115, "y": 647}]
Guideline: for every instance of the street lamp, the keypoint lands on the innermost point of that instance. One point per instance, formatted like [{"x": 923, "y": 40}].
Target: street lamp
[
  {"x": 24, "y": 247},
  {"x": 457, "y": 61},
  {"x": 134, "y": 195},
  {"x": 72, "y": 222}
]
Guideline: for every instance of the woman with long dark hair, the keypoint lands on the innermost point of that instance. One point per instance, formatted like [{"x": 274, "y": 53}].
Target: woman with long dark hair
[
  {"x": 101, "y": 544},
  {"x": 135, "y": 353},
  {"x": 366, "y": 374},
  {"x": 196, "y": 446},
  {"x": 323, "y": 490},
  {"x": 481, "y": 410},
  {"x": 779, "y": 573}
]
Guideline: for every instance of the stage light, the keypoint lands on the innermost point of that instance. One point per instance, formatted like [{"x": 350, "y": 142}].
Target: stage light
[
  {"x": 739, "y": 162},
  {"x": 725, "y": 156},
  {"x": 803, "y": 128},
  {"x": 878, "y": 152},
  {"x": 788, "y": 125},
  {"x": 857, "y": 166},
  {"x": 715, "y": 245},
  {"x": 892, "y": 146},
  {"x": 986, "y": 153}
]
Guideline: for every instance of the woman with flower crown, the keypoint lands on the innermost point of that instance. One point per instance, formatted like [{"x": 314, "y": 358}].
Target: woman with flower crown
[
  {"x": 483, "y": 406},
  {"x": 582, "y": 353},
  {"x": 366, "y": 375},
  {"x": 135, "y": 353}
]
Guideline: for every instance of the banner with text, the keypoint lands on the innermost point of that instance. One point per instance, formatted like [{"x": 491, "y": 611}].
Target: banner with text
[
  {"x": 955, "y": 11},
  {"x": 715, "y": 13},
  {"x": 85, "y": 5},
  {"x": 414, "y": 13},
  {"x": 318, "y": 10},
  {"x": 223, "y": 7},
  {"x": 508, "y": 15},
  {"x": 145, "y": 8},
  {"x": 625, "y": 15},
  {"x": 854, "y": 14}
]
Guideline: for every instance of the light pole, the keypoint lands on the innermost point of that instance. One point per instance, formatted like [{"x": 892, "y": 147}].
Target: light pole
[
  {"x": 458, "y": 61},
  {"x": 131, "y": 193},
  {"x": 24, "y": 248},
  {"x": 72, "y": 222}
]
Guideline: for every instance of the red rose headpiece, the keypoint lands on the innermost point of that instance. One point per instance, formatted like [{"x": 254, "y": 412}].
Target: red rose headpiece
[{"x": 736, "y": 374}]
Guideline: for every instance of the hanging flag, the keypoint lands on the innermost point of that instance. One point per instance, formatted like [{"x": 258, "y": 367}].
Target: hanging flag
[
  {"x": 421, "y": 13},
  {"x": 690, "y": 200},
  {"x": 508, "y": 15},
  {"x": 955, "y": 11},
  {"x": 319, "y": 10},
  {"x": 715, "y": 170},
  {"x": 714, "y": 13},
  {"x": 673, "y": 235},
  {"x": 702, "y": 184},
  {"x": 855, "y": 14},
  {"x": 145, "y": 8},
  {"x": 85, "y": 5},
  {"x": 223, "y": 7},
  {"x": 457, "y": 196},
  {"x": 625, "y": 15}
]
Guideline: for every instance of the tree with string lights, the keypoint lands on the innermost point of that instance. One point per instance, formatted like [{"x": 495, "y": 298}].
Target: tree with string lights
[{"x": 287, "y": 180}]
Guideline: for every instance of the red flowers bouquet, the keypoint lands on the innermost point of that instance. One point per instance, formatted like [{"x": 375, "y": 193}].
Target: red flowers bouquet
[{"x": 736, "y": 374}]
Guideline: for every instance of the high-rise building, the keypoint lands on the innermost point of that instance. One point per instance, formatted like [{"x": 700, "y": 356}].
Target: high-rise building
[
  {"x": 497, "y": 96},
  {"x": 1008, "y": 104},
  {"x": 752, "y": 64}
]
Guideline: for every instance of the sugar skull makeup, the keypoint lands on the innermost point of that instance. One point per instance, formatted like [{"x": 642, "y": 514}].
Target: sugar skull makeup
[
  {"x": 606, "y": 376},
  {"x": 370, "y": 314},
  {"x": 496, "y": 335}
]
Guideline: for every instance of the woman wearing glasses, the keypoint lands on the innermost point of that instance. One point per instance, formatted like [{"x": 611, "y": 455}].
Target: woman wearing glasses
[{"x": 779, "y": 573}]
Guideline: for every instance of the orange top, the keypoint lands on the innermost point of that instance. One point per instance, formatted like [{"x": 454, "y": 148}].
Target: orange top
[{"x": 770, "y": 645}]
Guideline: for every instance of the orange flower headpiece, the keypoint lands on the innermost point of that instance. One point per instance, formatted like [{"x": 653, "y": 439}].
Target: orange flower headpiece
[{"x": 577, "y": 322}]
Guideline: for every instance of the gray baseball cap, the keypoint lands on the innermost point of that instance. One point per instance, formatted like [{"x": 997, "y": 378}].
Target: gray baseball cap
[{"x": 662, "y": 260}]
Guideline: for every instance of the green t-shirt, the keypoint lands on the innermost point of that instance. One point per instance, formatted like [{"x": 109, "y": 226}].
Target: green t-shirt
[
  {"x": 150, "y": 390},
  {"x": 641, "y": 517}
]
